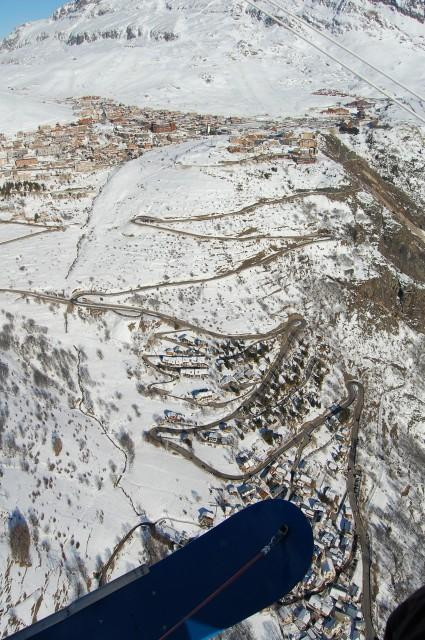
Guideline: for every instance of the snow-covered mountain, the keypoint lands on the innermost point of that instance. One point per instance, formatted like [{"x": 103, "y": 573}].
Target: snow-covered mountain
[
  {"x": 180, "y": 295},
  {"x": 220, "y": 56}
]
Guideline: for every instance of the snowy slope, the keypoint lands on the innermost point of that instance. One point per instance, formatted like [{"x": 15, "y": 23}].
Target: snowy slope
[
  {"x": 23, "y": 111},
  {"x": 189, "y": 237},
  {"x": 217, "y": 56},
  {"x": 82, "y": 378}
]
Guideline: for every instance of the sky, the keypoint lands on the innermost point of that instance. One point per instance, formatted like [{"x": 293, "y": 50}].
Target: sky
[{"x": 15, "y": 12}]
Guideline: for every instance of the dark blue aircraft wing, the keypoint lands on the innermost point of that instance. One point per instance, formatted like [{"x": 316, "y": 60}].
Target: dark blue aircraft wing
[{"x": 236, "y": 569}]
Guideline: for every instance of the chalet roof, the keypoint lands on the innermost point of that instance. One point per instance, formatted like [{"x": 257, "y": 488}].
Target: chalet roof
[
  {"x": 302, "y": 614},
  {"x": 203, "y": 512},
  {"x": 244, "y": 489},
  {"x": 169, "y": 412},
  {"x": 325, "y": 605}
]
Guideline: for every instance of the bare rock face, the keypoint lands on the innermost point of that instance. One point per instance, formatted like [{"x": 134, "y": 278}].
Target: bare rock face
[
  {"x": 405, "y": 252},
  {"x": 392, "y": 301},
  {"x": 105, "y": 19},
  {"x": 410, "y": 8},
  {"x": 74, "y": 7}
]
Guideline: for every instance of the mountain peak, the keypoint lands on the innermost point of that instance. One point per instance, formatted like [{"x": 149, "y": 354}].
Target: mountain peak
[{"x": 221, "y": 56}]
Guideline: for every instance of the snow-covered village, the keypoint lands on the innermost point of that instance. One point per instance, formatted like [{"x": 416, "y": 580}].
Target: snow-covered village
[{"x": 212, "y": 296}]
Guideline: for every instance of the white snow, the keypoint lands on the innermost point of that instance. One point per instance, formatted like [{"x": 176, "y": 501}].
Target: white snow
[
  {"x": 238, "y": 272},
  {"x": 217, "y": 56}
]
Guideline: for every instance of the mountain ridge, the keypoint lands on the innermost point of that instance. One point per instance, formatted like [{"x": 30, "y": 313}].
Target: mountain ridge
[
  {"x": 98, "y": 9},
  {"x": 221, "y": 57}
]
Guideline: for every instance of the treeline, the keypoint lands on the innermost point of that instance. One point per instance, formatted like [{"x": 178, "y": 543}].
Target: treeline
[{"x": 21, "y": 187}]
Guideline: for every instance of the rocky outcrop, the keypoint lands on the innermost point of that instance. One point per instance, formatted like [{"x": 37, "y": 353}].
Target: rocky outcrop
[
  {"x": 129, "y": 33},
  {"x": 80, "y": 38},
  {"x": 391, "y": 300},
  {"x": 83, "y": 20},
  {"x": 74, "y": 7},
  {"x": 412, "y": 8}
]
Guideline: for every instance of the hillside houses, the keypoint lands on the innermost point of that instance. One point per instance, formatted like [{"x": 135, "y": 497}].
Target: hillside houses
[
  {"x": 300, "y": 147},
  {"x": 105, "y": 133},
  {"x": 173, "y": 416},
  {"x": 333, "y": 609},
  {"x": 342, "y": 112},
  {"x": 205, "y": 517},
  {"x": 323, "y": 604},
  {"x": 183, "y": 361},
  {"x": 350, "y": 116}
]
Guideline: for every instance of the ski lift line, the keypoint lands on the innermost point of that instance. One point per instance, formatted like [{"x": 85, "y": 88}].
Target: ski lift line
[
  {"x": 342, "y": 64},
  {"x": 341, "y": 46},
  {"x": 276, "y": 539}
]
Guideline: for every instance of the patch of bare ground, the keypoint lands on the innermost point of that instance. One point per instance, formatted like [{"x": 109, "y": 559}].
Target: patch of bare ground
[
  {"x": 405, "y": 251},
  {"x": 403, "y": 244},
  {"x": 155, "y": 546},
  {"x": 386, "y": 297},
  {"x": 393, "y": 198},
  {"x": 389, "y": 302},
  {"x": 19, "y": 539}
]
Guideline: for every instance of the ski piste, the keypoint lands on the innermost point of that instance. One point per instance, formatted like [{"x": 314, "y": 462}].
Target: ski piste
[{"x": 222, "y": 577}]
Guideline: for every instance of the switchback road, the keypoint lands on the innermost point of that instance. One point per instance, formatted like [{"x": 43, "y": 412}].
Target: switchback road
[
  {"x": 250, "y": 208},
  {"x": 44, "y": 229},
  {"x": 154, "y": 436},
  {"x": 78, "y": 300},
  {"x": 260, "y": 259},
  {"x": 288, "y": 333},
  {"x": 237, "y": 238}
]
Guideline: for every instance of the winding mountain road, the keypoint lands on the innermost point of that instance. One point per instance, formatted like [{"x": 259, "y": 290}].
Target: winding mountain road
[
  {"x": 154, "y": 436},
  {"x": 238, "y": 238},
  {"x": 250, "y": 208},
  {"x": 178, "y": 323},
  {"x": 44, "y": 229},
  {"x": 260, "y": 259},
  {"x": 287, "y": 332},
  {"x": 360, "y": 527}
]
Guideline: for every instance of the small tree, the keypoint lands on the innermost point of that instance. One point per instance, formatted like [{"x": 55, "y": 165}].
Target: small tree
[
  {"x": 127, "y": 444},
  {"x": 57, "y": 444},
  {"x": 19, "y": 539}
]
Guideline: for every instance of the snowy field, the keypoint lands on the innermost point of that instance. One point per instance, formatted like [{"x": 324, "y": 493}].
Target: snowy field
[
  {"x": 191, "y": 240},
  {"x": 87, "y": 385},
  {"x": 21, "y": 110}
]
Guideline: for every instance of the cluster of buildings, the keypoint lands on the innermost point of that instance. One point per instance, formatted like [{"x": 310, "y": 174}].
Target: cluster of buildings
[
  {"x": 186, "y": 356},
  {"x": 352, "y": 115},
  {"x": 323, "y": 616},
  {"x": 326, "y": 604},
  {"x": 104, "y": 133},
  {"x": 217, "y": 437},
  {"x": 234, "y": 369},
  {"x": 299, "y": 147},
  {"x": 227, "y": 362}
]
